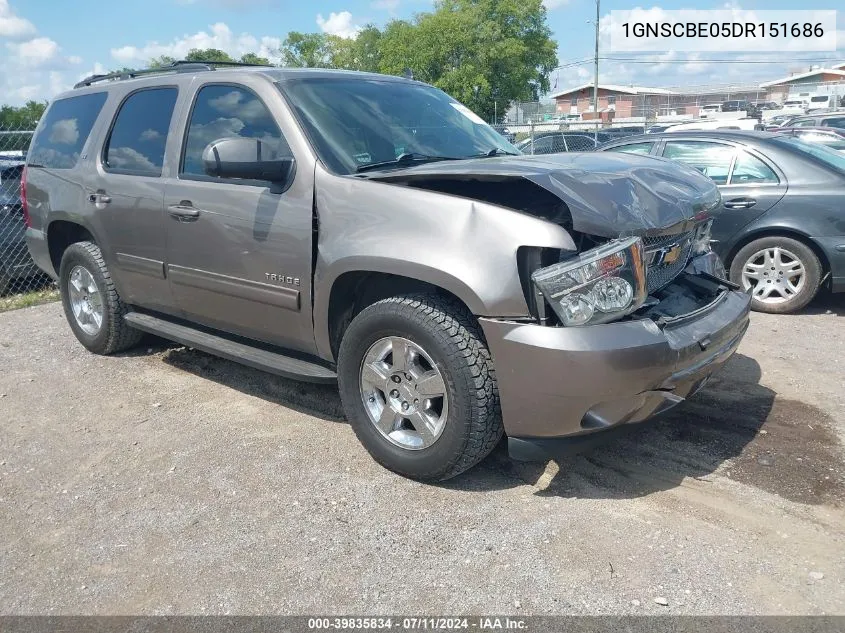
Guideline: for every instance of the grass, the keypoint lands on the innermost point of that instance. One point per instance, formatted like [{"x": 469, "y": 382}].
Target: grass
[{"x": 27, "y": 299}]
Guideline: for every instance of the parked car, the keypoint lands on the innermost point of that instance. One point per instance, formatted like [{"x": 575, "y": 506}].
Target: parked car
[
  {"x": 555, "y": 142},
  {"x": 711, "y": 108},
  {"x": 779, "y": 120},
  {"x": 767, "y": 105},
  {"x": 625, "y": 130},
  {"x": 781, "y": 228},
  {"x": 720, "y": 124},
  {"x": 740, "y": 106},
  {"x": 15, "y": 262},
  {"x": 797, "y": 104},
  {"x": 831, "y": 137},
  {"x": 821, "y": 102},
  {"x": 372, "y": 230},
  {"x": 825, "y": 119}
]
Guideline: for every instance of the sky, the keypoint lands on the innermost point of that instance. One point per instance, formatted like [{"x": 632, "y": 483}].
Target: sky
[{"x": 47, "y": 45}]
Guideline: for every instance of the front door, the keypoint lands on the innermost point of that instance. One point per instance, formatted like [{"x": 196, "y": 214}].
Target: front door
[
  {"x": 239, "y": 254},
  {"x": 749, "y": 186}
]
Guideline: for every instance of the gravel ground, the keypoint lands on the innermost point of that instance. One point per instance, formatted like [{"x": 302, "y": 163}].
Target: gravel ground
[{"x": 166, "y": 481}]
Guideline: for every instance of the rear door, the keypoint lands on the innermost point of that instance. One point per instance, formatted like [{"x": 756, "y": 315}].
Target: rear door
[
  {"x": 239, "y": 254},
  {"x": 749, "y": 183},
  {"x": 127, "y": 195}
]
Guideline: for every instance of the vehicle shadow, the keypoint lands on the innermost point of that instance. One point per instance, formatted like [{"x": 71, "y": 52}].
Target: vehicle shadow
[
  {"x": 693, "y": 440},
  {"x": 318, "y": 400},
  {"x": 825, "y": 303}
]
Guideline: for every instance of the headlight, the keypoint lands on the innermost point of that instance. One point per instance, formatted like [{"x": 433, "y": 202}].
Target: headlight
[
  {"x": 598, "y": 286},
  {"x": 701, "y": 239}
]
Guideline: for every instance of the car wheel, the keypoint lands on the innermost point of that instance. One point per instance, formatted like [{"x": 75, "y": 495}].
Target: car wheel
[
  {"x": 418, "y": 386},
  {"x": 91, "y": 303},
  {"x": 781, "y": 274}
]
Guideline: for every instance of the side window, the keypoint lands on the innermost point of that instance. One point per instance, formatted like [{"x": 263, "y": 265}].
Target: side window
[
  {"x": 633, "y": 148},
  {"x": 837, "y": 122},
  {"x": 223, "y": 112},
  {"x": 542, "y": 145},
  {"x": 750, "y": 170},
  {"x": 711, "y": 159},
  {"x": 803, "y": 123},
  {"x": 557, "y": 144},
  {"x": 65, "y": 129},
  {"x": 580, "y": 143},
  {"x": 137, "y": 139}
]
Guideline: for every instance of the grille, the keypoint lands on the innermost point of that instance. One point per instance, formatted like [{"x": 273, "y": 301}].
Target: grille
[{"x": 661, "y": 248}]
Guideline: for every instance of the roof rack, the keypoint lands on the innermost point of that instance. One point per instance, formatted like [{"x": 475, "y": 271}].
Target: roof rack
[{"x": 181, "y": 66}]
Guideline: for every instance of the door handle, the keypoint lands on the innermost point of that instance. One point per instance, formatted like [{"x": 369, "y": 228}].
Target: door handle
[
  {"x": 99, "y": 198},
  {"x": 185, "y": 211},
  {"x": 740, "y": 203}
]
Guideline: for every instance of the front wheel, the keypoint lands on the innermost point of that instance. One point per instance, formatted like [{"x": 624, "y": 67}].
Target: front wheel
[
  {"x": 418, "y": 386},
  {"x": 781, "y": 274}
]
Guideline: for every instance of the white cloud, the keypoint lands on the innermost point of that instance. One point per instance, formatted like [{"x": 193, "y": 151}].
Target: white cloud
[
  {"x": 554, "y": 4},
  {"x": 339, "y": 24},
  {"x": 11, "y": 25},
  {"x": 130, "y": 158},
  {"x": 64, "y": 131},
  {"x": 35, "y": 52},
  {"x": 150, "y": 135},
  {"x": 218, "y": 36}
]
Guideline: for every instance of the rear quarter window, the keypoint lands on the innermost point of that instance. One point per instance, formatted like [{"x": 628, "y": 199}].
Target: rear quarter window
[{"x": 64, "y": 130}]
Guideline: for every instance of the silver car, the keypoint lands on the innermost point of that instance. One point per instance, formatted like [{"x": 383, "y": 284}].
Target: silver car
[{"x": 327, "y": 225}]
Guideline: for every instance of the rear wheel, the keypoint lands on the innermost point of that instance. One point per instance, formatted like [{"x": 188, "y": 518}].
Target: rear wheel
[
  {"x": 418, "y": 386},
  {"x": 91, "y": 303},
  {"x": 781, "y": 274}
]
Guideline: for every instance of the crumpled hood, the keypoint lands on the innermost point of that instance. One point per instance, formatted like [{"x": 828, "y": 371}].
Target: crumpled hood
[{"x": 608, "y": 193}]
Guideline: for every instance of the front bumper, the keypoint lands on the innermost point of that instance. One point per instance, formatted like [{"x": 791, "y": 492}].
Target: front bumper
[{"x": 558, "y": 382}]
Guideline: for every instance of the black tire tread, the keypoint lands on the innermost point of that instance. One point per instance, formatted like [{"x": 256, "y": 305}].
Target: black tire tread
[
  {"x": 120, "y": 335},
  {"x": 455, "y": 323}
]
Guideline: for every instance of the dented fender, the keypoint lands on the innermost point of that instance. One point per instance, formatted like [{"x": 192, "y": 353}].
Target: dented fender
[{"x": 464, "y": 246}]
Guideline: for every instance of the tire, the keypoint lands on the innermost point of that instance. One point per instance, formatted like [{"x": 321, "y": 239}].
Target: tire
[
  {"x": 771, "y": 258},
  {"x": 113, "y": 334},
  {"x": 451, "y": 344}
]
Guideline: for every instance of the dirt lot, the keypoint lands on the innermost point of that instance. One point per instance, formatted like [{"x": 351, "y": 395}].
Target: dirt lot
[{"x": 168, "y": 481}]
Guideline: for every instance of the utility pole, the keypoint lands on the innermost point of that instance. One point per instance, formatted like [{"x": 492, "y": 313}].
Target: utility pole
[{"x": 596, "y": 82}]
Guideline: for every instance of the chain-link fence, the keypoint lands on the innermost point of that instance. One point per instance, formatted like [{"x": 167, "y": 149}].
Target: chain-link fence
[
  {"x": 18, "y": 273},
  {"x": 569, "y": 122}
]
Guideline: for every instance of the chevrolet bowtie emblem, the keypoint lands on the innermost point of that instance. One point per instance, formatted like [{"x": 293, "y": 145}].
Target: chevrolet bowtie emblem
[{"x": 669, "y": 254}]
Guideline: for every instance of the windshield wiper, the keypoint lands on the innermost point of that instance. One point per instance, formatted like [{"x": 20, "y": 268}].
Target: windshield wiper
[
  {"x": 404, "y": 159},
  {"x": 496, "y": 151}
]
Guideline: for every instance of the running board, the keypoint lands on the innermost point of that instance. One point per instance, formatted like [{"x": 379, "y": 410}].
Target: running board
[{"x": 243, "y": 353}]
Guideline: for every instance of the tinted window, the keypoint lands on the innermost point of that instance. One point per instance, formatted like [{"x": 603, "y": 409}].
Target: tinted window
[
  {"x": 226, "y": 112},
  {"x": 838, "y": 122},
  {"x": 65, "y": 129},
  {"x": 802, "y": 123},
  {"x": 819, "y": 99},
  {"x": 576, "y": 143},
  {"x": 542, "y": 145},
  {"x": 633, "y": 148},
  {"x": 832, "y": 141},
  {"x": 751, "y": 170},
  {"x": 137, "y": 140},
  {"x": 819, "y": 152},
  {"x": 711, "y": 159}
]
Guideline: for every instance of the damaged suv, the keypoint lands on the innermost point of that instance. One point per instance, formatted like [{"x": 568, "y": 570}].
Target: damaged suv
[{"x": 326, "y": 225}]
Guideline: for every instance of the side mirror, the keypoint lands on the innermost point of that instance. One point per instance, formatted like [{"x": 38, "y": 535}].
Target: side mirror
[{"x": 248, "y": 158}]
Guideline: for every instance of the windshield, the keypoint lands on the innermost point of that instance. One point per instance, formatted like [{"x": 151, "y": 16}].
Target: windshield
[
  {"x": 829, "y": 156},
  {"x": 357, "y": 122}
]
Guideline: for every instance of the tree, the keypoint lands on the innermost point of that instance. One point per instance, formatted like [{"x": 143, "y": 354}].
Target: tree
[
  {"x": 25, "y": 117},
  {"x": 307, "y": 50},
  {"x": 253, "y": 58},
  {"x": 207, "y": 55},
  {"x": 478, "y": 51},
  {"x": 159, "y": 62}
]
